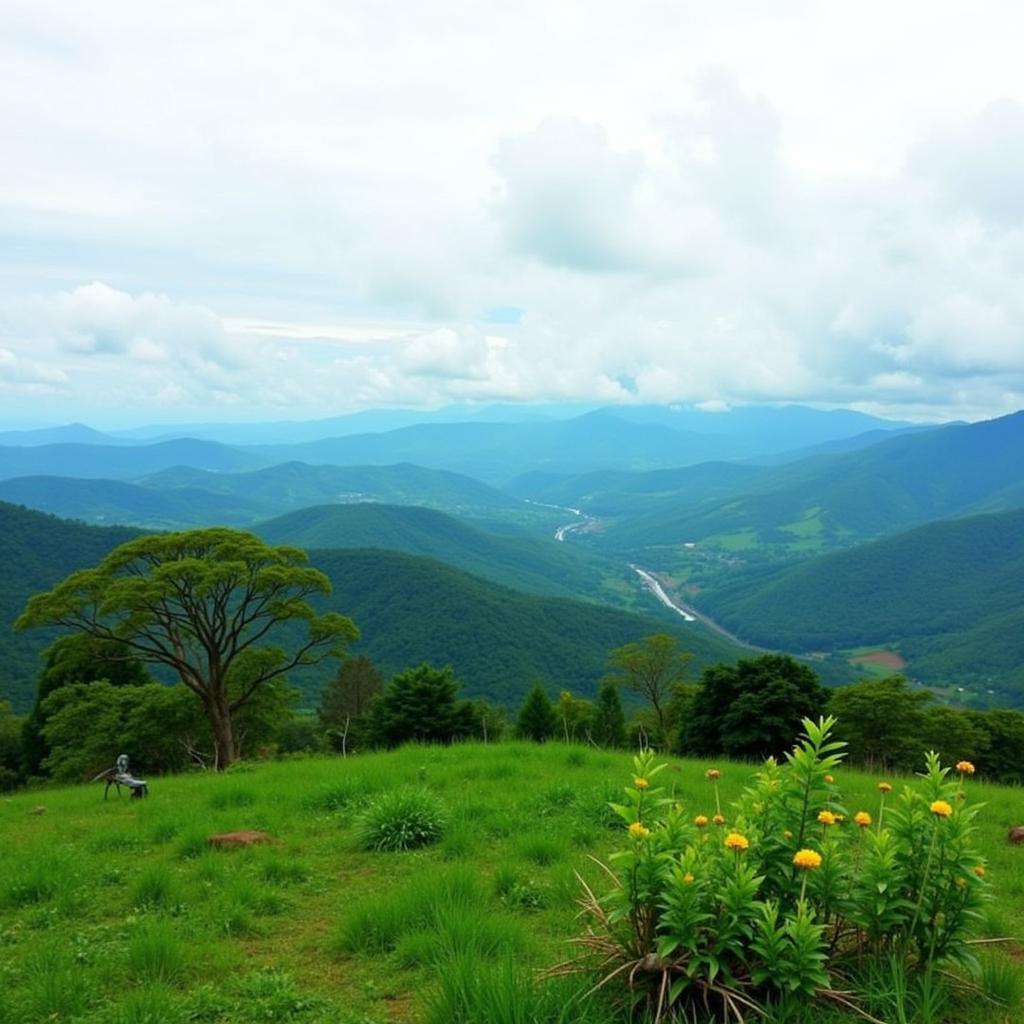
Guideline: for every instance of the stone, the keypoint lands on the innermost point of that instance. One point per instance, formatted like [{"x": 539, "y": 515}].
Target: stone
[
  {"x": 233, "y": 840},
  {"x": 38, "y": 810},
  {"x": 1016, "y": 835}
]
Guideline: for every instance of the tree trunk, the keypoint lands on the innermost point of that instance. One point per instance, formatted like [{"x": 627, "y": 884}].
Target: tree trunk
[{"x": 223, "y": 738}]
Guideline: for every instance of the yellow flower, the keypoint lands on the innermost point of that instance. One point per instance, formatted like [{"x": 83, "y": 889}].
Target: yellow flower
[
  {"x": 862, "y": 818},
  {"x": 700, "y": 821},
  {"x": 788, "y": 834},
  {"x": 840, "y": 817},
  {"x": 941, "y": 809},
  {"x": 808, "y": 860},
  {"x": 734, "y": 841},
  {"x": 965, "y": 767},
  {"x": 638, "y": 831},
  {"x": 687, "y": 879},
  {"x": 885, "y": 787},
  {"x": 641, "y": 783},
  {"x": 829, "y": 779},
  {"x": 979, "y": 871},
  {"x": 827, "y": 818},
  {"x": 961, "y": 882},
  {"x": 712, "y": 773},
  {"x": 718, "y": 819}
]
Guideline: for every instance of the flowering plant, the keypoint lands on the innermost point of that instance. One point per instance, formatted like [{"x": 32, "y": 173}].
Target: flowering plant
[{"x": 782, "y": 901}]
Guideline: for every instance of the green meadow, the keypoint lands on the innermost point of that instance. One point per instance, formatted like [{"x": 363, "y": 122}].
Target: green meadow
[{"x": 119, "y": 912}]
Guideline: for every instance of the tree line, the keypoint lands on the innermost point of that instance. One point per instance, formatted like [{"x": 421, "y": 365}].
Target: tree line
[{"x": 746, "y": 710}]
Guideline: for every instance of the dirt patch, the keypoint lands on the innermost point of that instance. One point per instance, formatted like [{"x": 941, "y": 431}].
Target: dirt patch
[{"x": 887, "y": 659}]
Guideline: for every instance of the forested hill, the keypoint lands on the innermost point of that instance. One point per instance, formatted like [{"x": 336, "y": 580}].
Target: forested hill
[
  {"x": 949, "y": 596},
  {"x": 38, "y": 551},
  {"x": 409, "y": 609},
  {"x": 537, "y": 565},
  {"x": 413, "y": 609},
  {"x": 836, "y": 500}
]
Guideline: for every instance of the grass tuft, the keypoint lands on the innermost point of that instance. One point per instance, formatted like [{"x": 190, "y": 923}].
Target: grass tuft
[
  {"x": 155, "y": 888},
  {"x": 156, "y": 954},
  {"x": 403, "y": 819}
]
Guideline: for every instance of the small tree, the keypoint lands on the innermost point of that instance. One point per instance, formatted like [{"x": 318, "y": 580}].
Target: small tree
[
  {"x": 347, "y": 698},
  {"x": 75, "y": 658},
  {"x": 209, "y": 604},
  {"x": 536, "y": 720},
  {"x": 609, "y": 728},
  {"x": 653, "y": 667},
  {"x": 882, "y": 721},
  {"x": 575, "y": 716},
  {"x": 420, "y": 705}
]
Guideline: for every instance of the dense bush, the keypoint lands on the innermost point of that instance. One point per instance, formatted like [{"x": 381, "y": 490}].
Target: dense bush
[{"x": 775, "y": 903}]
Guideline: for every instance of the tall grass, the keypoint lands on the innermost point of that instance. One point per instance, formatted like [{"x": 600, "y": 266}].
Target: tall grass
[
  {"x": 378, "y": 922},
  {"x": 471, "y": 992}
]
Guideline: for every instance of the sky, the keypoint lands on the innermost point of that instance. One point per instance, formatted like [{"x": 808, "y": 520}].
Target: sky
[{"x": 232, "y": 211}]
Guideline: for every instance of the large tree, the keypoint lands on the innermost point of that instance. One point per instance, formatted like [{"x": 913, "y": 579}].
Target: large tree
[{"x": 214, "y": 605}]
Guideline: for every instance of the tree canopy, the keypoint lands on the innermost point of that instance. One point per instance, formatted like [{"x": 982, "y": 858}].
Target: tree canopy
[
  {"x": 421, "y": 705},
  {"x": 753, "y": 708},
  {"x": 209, "y": 604}
]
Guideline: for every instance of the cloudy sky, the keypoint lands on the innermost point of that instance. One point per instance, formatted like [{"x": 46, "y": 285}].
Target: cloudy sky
[{"x": 225, "y": 210}]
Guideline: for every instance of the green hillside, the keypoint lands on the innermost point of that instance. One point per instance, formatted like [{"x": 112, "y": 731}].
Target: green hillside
[
  {"x": 39, "y": 550},
  {"x": 181, "y": 496},
  {"x": 409, "y": 609},
  {"x": 948, "y": 595},
  {"x": 535, "y": 564},
  {"x": 836, "y": 500},
  {"x": 413, "y": 609},
  {"x": 288, "y": 486},
  {"x": 610, "y": 493}
]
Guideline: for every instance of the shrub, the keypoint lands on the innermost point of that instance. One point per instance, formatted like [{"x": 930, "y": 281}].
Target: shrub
[
  {"x": 402, "y": 819},
  {"x": 787, "y": 893}
]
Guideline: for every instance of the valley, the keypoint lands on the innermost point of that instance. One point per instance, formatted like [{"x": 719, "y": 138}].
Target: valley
[{"x": 873, "y": 541}]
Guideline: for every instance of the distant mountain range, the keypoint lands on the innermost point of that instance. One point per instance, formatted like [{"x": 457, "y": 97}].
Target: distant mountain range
[
  {"x": 181, "y": 496},
  {"x": 626, "y": 438},
  {"x": 836, "y": 500}
]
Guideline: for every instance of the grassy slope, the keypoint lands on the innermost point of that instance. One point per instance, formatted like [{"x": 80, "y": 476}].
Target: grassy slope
[
  {"x": 254, "y": 935},
  {"x": 951, "y": 586},
  {"x": 537, "y": 565}
]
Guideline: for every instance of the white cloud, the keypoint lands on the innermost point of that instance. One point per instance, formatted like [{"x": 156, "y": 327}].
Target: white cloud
[{"x": 314, "y": 209}]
